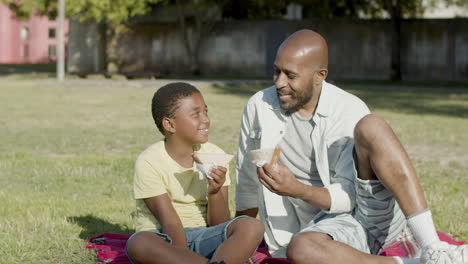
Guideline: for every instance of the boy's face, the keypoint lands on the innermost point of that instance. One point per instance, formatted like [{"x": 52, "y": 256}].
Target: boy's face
[{"x": 191, "y": 120}]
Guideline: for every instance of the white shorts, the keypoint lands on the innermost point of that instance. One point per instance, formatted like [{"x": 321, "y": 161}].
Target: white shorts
[{"x": 376, "y": 221}]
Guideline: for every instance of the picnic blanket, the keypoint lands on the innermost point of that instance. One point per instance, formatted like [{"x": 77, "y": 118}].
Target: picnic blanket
[{"x": 110, "y": 248}]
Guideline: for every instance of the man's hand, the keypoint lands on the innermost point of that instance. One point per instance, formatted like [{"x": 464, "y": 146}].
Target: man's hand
[
  {"x": 219, "y": 177},
  {"x": 279, "y": 179}
]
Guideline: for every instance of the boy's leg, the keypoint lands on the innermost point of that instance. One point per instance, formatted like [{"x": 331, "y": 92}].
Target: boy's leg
[
  {"x": 149, "y": 248},
  {"x": 243, "y": 235},
  {"x": 381, "y": 156}
]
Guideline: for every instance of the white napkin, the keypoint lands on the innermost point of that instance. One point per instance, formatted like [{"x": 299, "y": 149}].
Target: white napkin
[
  {"x": 210, "y": 161},
  {"x": 260, "y": 157}
]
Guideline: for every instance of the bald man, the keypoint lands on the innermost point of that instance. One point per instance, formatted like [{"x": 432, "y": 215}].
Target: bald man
[{"x": 344, "y": 187}]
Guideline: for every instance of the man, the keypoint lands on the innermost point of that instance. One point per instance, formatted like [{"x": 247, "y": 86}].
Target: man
[{"x": 344, "y": 175}]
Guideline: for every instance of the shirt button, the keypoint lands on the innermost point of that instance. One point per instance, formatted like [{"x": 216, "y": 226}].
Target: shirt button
[{"x": 281, "y": 132}]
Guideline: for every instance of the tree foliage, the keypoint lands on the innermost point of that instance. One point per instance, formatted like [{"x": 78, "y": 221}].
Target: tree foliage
[
  {"x": 364, "y": 8},
  {"x": 118, "y": 11},
  {"x": 254, "y": 9},
  {"x": 110, "y": 11},
  {"x": 264, "y": 9}
]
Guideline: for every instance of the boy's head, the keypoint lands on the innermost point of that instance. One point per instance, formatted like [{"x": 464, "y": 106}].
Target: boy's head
[{"x": 166, "y": 101}]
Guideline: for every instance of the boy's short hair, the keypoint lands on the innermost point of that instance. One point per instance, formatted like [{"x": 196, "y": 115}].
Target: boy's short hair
[{"x": 166, "y": 101}]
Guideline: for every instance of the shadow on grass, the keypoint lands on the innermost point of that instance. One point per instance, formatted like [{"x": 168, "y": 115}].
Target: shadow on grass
[
  {"x": 27, "y": 68},
  {"x": 245, "y": 89},
  {"x": 93, "y": 226},
  {"x": 450, "y": 102},
  {"x": 408, "y": 98}
]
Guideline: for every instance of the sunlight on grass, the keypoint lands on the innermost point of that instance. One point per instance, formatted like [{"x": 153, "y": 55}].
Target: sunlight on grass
[{"x": 67, "y": 156}]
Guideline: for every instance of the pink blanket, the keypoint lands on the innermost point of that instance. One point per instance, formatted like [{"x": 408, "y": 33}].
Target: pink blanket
[{"x": 110, "y": 248}]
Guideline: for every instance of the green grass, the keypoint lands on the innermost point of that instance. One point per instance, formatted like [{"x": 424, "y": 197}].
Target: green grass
[{"x": 67, "y": 155}]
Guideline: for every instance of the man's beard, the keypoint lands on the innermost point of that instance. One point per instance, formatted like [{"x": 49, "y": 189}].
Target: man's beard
[{"x": 301, "y": 101}]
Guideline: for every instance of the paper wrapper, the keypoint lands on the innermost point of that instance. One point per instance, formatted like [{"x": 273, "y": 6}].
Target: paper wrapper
[
  {"x": 209, "y": 161},
  {"x": 260, "y": 157}
]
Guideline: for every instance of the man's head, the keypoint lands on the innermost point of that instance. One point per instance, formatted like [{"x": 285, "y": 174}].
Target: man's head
[
  {"x": 180, "y": 107},
  {"x": 300, "y": 66}
]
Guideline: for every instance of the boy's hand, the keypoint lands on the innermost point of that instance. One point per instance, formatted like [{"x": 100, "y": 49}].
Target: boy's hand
[{"x": 218, "y": 174}]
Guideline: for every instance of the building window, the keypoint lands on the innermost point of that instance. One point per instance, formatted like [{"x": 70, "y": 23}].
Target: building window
[
  {"x": 24, "y": 51},
  {"x": 51, "y": 33},
  {"x": 24, "y": 33},
  {"x": 52, "y": 51}
]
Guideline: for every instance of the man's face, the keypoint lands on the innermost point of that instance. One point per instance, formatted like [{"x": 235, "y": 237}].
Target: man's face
[{"x": 294, "y": 80}]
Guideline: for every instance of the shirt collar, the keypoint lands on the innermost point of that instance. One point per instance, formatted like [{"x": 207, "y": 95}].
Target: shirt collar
[{"x": 324, "y": 101}]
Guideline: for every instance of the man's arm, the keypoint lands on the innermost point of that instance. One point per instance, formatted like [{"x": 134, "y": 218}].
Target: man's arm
[
  {"x": 161, "y": 207},
  {"x": 247, "y": 181},
  {"x": 337, "y": 197},
  {"x": 283, "y": 182}
]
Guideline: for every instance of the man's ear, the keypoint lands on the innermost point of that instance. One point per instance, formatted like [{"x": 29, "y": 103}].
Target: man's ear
[
  {"x": 168, "y": 125},
  {"x": 322, "y": 74}
]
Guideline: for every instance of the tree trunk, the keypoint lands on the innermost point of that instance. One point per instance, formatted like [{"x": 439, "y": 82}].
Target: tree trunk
[
  {"x": 101, "y": 64},
  {"x": 394, "y": 9},
  {"x": 191, "y": 52}
]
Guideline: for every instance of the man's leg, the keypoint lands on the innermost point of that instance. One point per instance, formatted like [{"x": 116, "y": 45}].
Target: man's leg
[
  {"x": 319, "y": 248},
  {"x": 381, "y": 156},
  {"x": 334, "y": 239}
]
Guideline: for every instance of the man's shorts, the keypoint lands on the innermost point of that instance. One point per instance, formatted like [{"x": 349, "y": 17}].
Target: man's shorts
[
  {"x": 201, "y": 240},
  {"x": 377, "y": 219}
]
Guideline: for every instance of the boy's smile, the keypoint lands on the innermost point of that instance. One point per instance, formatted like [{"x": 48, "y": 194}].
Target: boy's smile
[{"x": 204, "y": 131}]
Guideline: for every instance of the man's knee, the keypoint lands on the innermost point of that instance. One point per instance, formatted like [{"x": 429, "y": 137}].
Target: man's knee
[
  {"x": 368, "y": 129},
  {"x": 308, "y": 247}
]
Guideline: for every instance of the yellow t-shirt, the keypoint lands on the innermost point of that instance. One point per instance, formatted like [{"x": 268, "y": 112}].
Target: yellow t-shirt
[{"x": 157, "y": 173}]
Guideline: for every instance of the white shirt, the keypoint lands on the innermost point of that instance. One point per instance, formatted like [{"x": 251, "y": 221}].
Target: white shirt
[{"x": 263, "y": 126}]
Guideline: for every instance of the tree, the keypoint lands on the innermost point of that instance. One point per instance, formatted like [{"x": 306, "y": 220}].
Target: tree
[
  {"x": 202, "y": 14},
  {"x": 107, "y": 13},
  {"x": 258, "y": 9}
]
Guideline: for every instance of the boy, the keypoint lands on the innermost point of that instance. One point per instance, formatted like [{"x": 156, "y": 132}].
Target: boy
[{"x": 181, "y": 218}]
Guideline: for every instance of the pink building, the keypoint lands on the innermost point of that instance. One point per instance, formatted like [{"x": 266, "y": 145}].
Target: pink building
[{"x": 31, "y": 41}]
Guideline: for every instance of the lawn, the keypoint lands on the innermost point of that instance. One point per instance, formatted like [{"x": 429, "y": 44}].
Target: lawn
[{"x": 67, "y": 155}]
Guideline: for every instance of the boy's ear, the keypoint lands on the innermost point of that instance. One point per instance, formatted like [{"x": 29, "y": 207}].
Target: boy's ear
[{"x": 168, "y": 125}]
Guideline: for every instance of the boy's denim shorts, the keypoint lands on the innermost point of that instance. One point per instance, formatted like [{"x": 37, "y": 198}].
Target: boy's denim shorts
[{"x": 201, "y": 240}]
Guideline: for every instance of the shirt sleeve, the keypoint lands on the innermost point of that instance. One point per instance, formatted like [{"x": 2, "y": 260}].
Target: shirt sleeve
[
  {"x": 247, "y": 182},
  {"x": 342, "y": 188},
  {"x": 148, "y": 182}
]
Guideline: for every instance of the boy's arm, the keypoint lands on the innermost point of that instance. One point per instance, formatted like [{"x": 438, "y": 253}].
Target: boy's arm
[
  {"x": 218, "y": 200},
  {"x": 161, "y": 207},
  {"x": 218, "y": 207}
]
